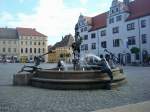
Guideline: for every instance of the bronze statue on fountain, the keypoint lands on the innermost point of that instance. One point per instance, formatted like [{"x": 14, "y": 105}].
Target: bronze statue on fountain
[{"x": 76, "y": 51}]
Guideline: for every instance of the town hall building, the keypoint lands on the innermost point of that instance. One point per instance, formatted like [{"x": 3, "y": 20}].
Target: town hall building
[{"x": 125, "y": 26}]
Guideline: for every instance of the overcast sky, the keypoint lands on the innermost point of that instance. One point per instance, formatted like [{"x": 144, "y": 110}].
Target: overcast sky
[{"x": 54, "y": 18}]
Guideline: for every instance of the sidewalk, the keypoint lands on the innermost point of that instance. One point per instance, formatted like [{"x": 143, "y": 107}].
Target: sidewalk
[{"x": 139, "y": 107}]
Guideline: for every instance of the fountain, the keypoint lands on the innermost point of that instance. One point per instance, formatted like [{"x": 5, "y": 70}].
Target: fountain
[{"x": 88, "y": 72}]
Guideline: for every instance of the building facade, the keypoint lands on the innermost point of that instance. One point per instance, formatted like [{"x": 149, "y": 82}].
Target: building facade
[
  {"x": 22, "y": 44},
  {"x": 62, "y": 50},
  {"x": 124, "y": 26}
]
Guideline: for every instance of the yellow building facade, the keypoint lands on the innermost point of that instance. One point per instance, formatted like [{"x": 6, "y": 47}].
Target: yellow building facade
[
  {"x": 61, "y": 53},
  {"x": 62, "y": 50}
]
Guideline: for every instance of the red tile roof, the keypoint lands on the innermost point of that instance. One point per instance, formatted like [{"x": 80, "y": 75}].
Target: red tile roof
[
  {"x": 139, "y": 8},
  {"x": 29, "y": 32},
  {"x": 99, "y": 21}
]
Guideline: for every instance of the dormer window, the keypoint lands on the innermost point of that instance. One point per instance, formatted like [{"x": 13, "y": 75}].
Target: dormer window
[{"x": 143, "y": 23}]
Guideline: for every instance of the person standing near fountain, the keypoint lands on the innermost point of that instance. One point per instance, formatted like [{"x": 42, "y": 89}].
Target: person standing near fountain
[{"x": 60, "y": 65}]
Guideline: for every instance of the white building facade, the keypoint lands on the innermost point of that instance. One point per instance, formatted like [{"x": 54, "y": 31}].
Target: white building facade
[{"x": 124, "y": 26}]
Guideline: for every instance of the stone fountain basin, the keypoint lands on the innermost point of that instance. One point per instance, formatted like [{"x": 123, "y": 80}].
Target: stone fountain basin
[{"x": 76, "y": 80}]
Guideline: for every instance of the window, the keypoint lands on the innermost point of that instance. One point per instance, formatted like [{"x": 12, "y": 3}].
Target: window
[
  {"x": 130, "y": 26},
  {"x": 131, "y": 40},
  {"x": 9, "y": 42},
  {"x": 118, "y": 18},
  {"x": 30, "y": 42},
  {"x": 93, "y": 46},
  {"x": 82, "y": 47},
  {"x": 9, "y": 50},
  {"x": 34, "y": 50},
  {"x": 81, "y": 29},
  {"x": 115, "y": 30},
  {"x": 21, "y": 42},
  {"x": 103, "y": 33},
  {"x": 39, "y": 43},
  {"x": 116, "y": 43},
  {"x": 15, "y": 50},
  {"x": 34, "y": 43},
  {"x": 104, "y": 44},
  {"x": 112, "y": 11},
  {"x": 117, "y": 9},
  {"x": 14, "y": 42},
  {"x": 4, "y": 50},
  {"x": 93, "y": 35},
  {"x": 85, "y": 37},
  {"x": 43, "y": 50},
  {"x": 39, "y": 50},
  {"x": 144, "y": 38},
  {"x": 26, "y": 50},
  {"x": 4, "y": 42},
  {"x": 43, "y": 43},
  {"x": 86, "y": 46},
  {"x": 21, "y": 50},
  {"x": 26, "y": 43},
  {"x": 111, "y": 20},
  {"x": 85, "y": 28},
  {"x": 30, "y": 50},
  {"x": 143, "y": 23}
]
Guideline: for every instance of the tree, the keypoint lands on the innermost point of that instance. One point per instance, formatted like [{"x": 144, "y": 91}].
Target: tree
[{"x": 135, "y": 50}]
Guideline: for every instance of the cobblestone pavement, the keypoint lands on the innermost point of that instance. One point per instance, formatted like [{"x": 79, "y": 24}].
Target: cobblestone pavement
[{"x": 30, "y": 99}]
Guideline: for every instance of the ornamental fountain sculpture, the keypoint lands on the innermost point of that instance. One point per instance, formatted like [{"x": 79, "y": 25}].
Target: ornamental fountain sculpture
[{"x": 88, "y": 72}]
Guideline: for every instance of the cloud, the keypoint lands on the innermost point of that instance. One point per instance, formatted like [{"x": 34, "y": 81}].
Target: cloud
[
  {"x": 83, "y": 2},
  {"x": 50, "y": 17}
]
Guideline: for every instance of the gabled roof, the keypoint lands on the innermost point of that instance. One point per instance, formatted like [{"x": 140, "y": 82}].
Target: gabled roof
[
  {"x": 29, "y": 32},
  {"x": 67, "y": 41},
  {"x": 8, "y": 33},
  {"x": 139, "y": 8},
  {"x": 99, "y": 21}
]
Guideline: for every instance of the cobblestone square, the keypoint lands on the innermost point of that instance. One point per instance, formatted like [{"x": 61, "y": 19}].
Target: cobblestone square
[{"x": 30, "y": 99}]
